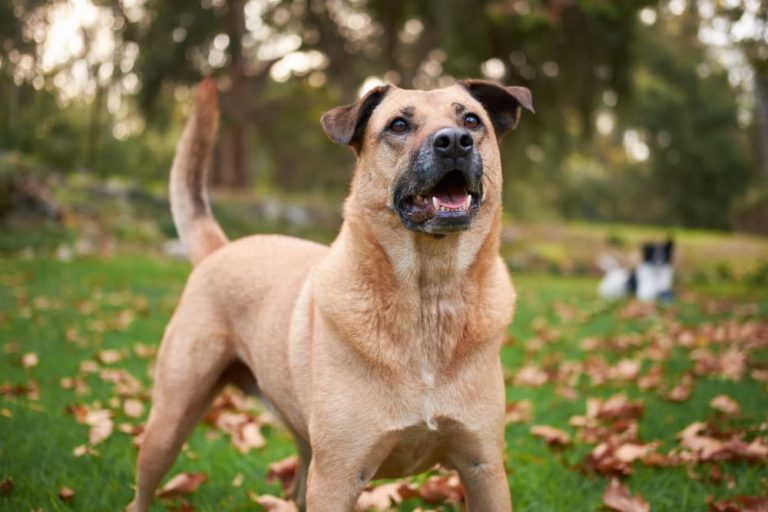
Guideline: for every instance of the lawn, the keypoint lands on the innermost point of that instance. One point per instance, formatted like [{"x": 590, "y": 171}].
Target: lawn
[{"x": 77, "y": 341}]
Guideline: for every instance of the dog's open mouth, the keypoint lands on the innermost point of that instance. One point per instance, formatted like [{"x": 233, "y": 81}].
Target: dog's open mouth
[{"x": 449, "y": 204}]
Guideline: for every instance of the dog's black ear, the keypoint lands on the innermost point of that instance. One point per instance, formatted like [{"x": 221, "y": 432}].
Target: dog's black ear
[
  {"x": 346, "y": 124},
  {"x": 503, "y": 104}
]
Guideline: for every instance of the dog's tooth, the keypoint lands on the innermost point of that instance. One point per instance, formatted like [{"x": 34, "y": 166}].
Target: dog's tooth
[
  {"x": 468, "y": 202},
  {"x": 435, "y": 203}
]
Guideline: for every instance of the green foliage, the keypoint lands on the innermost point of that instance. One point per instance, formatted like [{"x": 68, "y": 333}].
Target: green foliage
[
  {"x": 581, "y": 59},
  {"x": 698, "y": 165}
]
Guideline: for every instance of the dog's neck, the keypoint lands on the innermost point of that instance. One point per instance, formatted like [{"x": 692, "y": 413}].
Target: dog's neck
[
  {"x": 414, "y": 260},
  {"x": 406, "y": 297}
]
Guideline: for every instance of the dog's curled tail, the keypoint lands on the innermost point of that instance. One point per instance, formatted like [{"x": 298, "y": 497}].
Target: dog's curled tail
[{"x": 199, "y": 232}]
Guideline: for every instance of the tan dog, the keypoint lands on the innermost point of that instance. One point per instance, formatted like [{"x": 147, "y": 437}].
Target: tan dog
[{"x": 380, "y": 353}]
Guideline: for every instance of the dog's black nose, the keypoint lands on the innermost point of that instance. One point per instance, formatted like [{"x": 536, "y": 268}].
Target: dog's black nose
[{"x": 452, "y": 142}]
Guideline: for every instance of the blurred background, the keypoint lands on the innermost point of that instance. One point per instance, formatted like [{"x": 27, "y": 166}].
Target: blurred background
[{"x": 651, "y": 118}]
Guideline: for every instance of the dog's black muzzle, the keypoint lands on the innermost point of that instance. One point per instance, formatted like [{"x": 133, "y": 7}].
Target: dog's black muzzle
[{"x": 442, "y": 190}]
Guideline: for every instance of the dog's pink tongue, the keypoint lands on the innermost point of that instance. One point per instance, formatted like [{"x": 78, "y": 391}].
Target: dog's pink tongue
[{"x": 452, "y": 199}]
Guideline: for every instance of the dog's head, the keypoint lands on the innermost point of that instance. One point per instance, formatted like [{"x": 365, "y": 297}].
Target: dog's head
[{"x": 431, "y": 158}]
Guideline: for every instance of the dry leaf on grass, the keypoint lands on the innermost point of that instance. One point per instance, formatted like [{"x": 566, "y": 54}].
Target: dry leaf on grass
[
  {"x": 618, "y": 498},
  {"x": 99, "y": 421},
  {"x": 699, "y": 444},
  {"x": 379, "y": 499},
  {"x": 110, "y": 356},
  {"x": 126, "y": 385},
  {"x": 519, "y": 412},
  {"x": 30, "y": 390},
  {"x": 284, "y": 471},
  {"x": 272, "y": 504},
  {"x": 741, "y": 504},
  {"x": 6, "y": 486},
  {"x": 29, "y": 360},
  {"x": 66, "y": 494},
  {"x": 133, "y": 408},
  {"x": 136, "y": 431},
  {"x": 726, "y": 405},
  {"x": 436, "y": 490},
  {"x": 552, "y": 435},
  {"x": 615, "y": 407},
  {"x": 183, "y": 483},
  {"x": 145, "y": 351},
  {"x": 682, "y": 391},
  {"x": 75, "y": 384},
  {"x": 230, "y": 413},
  {"x": 84, "y": 449},
  {"x": 531, "y": 375},
  {"x": 101, "y": 425},
  {"x": 614, "y": 458}
]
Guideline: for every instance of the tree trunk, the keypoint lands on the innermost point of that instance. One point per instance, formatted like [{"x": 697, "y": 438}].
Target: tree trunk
[
  {"x": 232, "y": 168},
  {"x": 761, "y": 111},
  {"x": 94, "y": 128}
]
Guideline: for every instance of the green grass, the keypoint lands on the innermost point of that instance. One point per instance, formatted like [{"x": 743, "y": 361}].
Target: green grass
[{"x": 67, "y": 312}]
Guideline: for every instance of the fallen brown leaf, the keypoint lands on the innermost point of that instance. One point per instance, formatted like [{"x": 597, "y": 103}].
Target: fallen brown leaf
[
  {"x": 682, "y": 391},
  {"x": 615, "y": 407},
  {"x": 136, "y": 431},
  {"x": 531, "y": 375},
  {"x": 380, "y": 499},
  {"x": 273, "y": 504},
  {"x": 726, "y": 405},
  {"x": 75, "y": 384},
  {"x": 100, "y": 421},
  {"x": 30, "y": 390},
  {"x": 145, "y": 351},
  {"x": 741, "y": 504},
  {"x": 436, "y": 490},
  {"x": 284, "y": 471},
  {"x": 88, "y": 366},
  {"x": 519, "y": 412},
  {"x": 699, "y": 444},
  {"x": 66, "y": 494},
  {"x": 6, "y": 486},
  {"x": 183, "y": 483},
  {"x": 552, "y": 435},
  {"x": 133, "y": 408},
  {"x": 83, "y": 449},
  {"x": 29, "y": 360},
  {"x": 110, "y": 356},
  {"x": 618, "y": 498},
  {"x": 125, "y": 383}
]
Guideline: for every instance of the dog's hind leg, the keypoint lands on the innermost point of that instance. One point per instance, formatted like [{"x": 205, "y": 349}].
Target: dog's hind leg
[{"x": 188, "y": 377}]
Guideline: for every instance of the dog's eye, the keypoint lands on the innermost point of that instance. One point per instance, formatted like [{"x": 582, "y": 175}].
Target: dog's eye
[
  {"x": 471, "y": 121},
  {"x": 398, "y": 125}
]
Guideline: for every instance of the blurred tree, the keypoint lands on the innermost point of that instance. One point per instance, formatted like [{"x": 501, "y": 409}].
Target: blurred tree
[
  {"x": 17, "y": 57},
  {"x": 183, "y": 40},
  {"x": 745, "y": 24},
  {"x": 697, "y": 159},
  {"x": 280, "y": 63}
]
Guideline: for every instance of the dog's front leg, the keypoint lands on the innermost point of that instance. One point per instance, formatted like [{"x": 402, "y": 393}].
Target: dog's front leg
[
  {"x": 486, "y": 486},
  {"x": 478, "y": 457},
  {"x": 342, "y": 467}
]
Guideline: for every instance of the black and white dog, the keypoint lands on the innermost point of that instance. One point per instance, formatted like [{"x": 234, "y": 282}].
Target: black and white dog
[{"x": 651, "y": 280}]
